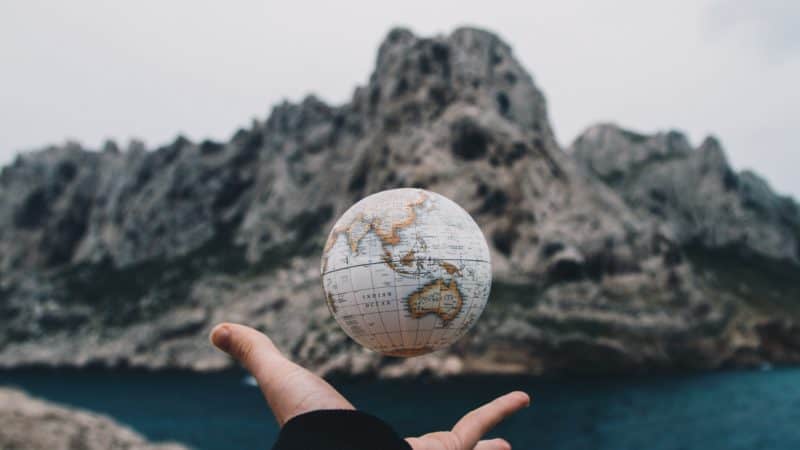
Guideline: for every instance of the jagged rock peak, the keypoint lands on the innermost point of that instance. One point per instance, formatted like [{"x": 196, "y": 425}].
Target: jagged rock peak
[
  {"x": 485, "y": 47},
  {"x": 470, "y": 65},
  {"x": 694, "y": 191},
  {"x": 713, "y": 154},
  {"x": 608, "y": 150}
]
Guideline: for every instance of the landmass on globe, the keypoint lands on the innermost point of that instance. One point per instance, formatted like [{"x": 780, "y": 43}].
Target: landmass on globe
[{"x": 438, "y": 298}]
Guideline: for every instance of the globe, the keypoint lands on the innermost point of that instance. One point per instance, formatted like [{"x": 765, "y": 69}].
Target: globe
[{"x": 406, "y": 272}]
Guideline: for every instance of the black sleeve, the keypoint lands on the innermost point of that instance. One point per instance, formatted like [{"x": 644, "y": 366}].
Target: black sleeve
[{"x": 335, "y": 429}]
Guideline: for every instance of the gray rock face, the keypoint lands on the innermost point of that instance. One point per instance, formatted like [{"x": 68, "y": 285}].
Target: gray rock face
[
  {"x": 27, "y": 423},
  {"x": 128, "y": 258},
  {"x": 692, "y": 191}
]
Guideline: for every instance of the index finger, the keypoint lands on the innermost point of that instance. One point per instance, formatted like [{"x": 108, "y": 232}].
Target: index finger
[{"x": 479, "y": 421}]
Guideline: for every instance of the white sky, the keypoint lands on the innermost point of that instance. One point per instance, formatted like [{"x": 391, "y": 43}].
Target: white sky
[{"x": 91, "y": 69}]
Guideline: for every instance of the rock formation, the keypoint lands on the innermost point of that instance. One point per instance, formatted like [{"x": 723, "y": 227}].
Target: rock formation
[
  {"x": 127, "y": 258},
  {"x": 694, "y": 191},
  {"x": 30, "y": 424}
]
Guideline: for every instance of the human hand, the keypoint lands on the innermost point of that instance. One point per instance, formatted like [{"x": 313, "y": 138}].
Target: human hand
[{"x": 292, "y": 390}]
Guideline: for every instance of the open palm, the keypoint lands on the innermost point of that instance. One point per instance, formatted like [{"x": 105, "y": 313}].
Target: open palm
[{"x": 292, "y": 390}]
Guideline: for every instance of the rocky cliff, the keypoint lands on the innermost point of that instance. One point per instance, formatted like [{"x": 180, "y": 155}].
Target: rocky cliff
[
  {"x": 127, "y": 257},
  {"x": 692, "y": 190},
  {"x": 27, "y": 423}
]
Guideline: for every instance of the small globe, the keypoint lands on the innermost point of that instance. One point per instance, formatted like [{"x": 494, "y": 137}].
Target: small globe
[{"x": 406, "y": 272}]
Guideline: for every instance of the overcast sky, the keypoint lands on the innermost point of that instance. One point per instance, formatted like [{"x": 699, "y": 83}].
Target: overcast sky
[{"x": 89, "y": 70}]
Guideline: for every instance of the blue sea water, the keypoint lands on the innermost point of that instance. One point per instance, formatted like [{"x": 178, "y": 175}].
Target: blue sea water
[{"x": 709, "y": 411}]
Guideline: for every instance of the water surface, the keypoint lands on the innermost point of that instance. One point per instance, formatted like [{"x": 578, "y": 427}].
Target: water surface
[{"x": 711, "y": 411}]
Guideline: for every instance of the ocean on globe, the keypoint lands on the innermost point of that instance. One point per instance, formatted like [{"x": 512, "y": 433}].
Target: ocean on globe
[{"x": 406, "y": 272}]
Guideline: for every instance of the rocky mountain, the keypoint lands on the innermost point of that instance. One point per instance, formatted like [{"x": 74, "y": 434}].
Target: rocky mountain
[
  {"x": 28, "y": 423},
  {"x": 128, "y": 257},
  {"x": 694, "y": 191}
]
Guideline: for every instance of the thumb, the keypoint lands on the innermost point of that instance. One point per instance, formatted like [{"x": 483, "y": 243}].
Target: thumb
[
  {"x": 250, "y": 347},
  {"x": 289, "y": 389}
]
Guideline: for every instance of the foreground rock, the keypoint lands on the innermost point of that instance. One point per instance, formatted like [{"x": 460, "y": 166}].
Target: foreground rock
[
  {"x": 127, "y": 258},
  {"x": 27, "y": 423}
]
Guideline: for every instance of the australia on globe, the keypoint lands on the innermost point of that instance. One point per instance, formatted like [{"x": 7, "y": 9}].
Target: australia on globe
[{"x": 406, "y": 272}]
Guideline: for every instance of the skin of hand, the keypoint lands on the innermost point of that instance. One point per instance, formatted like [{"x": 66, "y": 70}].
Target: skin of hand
[{"x": 292, "y": 390}]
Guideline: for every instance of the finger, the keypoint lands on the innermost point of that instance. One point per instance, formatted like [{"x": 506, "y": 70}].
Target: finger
[
  {"x": 479, "y": 421},
  {"x": 420, "y": 444},
  {"x": 289, "y": 389},
  {"x": 493, "y": 444},
  {"x": 437, "y": 440}
]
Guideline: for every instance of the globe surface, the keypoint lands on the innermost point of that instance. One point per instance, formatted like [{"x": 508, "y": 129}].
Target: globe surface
[{"x": 406, "y": 272}]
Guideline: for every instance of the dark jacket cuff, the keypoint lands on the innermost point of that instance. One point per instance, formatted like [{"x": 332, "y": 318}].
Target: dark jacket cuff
[{"x": 335, "y": 429}]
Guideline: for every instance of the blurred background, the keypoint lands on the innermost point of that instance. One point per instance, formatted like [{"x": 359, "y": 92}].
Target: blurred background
[{"x": 167, "y": 166}]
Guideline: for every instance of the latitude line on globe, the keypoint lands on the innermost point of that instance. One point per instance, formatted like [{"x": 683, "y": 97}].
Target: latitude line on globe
[
  {"x": 466, "y": 283},
  {"x": 398, "y": 260}
]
